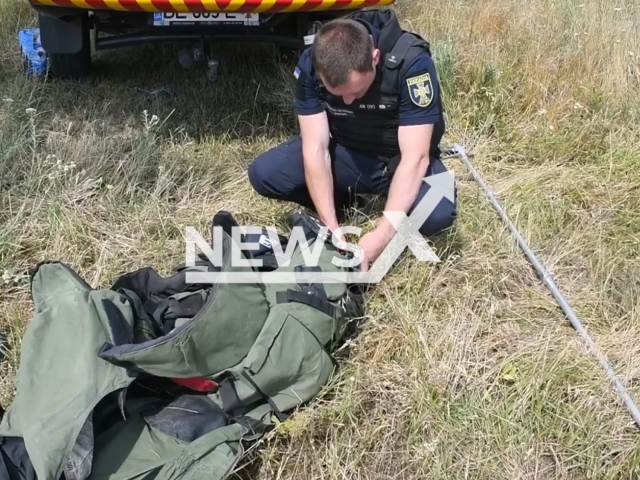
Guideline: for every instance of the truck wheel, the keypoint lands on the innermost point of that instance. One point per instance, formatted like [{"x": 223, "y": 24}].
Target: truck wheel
[{"x": 68, "y": 45}]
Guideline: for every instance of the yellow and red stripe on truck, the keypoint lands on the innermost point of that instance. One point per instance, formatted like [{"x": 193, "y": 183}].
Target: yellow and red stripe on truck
[{"x": 241, "y": 6}]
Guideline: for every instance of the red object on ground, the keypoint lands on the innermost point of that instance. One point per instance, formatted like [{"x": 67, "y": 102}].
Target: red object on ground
[{"x": 199, "y": 384}]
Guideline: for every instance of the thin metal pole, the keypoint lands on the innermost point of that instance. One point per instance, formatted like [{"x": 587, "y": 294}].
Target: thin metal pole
[{"x": 548, "y": 281}]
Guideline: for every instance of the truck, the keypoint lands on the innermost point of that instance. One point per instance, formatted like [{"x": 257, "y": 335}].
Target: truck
[{"x": 70, "y": 30}]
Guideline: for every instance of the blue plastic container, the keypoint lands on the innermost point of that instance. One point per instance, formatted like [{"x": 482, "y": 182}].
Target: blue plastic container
[{"x": 33, "y": 55}]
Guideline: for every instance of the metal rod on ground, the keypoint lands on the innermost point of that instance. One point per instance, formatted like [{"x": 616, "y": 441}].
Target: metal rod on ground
[{"x": 548, "y": 281}]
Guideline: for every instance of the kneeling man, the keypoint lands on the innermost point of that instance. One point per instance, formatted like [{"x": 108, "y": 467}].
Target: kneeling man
[{"x": 370, "y": 114}]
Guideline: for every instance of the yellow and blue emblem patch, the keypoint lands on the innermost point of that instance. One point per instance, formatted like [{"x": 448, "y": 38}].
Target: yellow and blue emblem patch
[
  {"x": 296, "y": 72},
  {"x": 420, "y": 89}
]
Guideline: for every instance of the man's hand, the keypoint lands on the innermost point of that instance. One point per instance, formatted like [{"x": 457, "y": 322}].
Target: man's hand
[
  {"x": 314, "y": 131},
  {"x": 372, "y": 245},
  {"x": 407, "y": 180}
]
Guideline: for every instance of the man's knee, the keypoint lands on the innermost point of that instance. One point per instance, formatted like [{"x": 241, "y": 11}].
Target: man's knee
[
  {"x": 444, "y": 215},
  {"x": 259, "y": 174},
  {"x": 440, "y": 219},
  {"x": 279, "y": 173},
  {"x": 274, "y": 173}
]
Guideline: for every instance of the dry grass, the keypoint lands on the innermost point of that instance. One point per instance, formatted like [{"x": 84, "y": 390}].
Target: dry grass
[{"x": 464, "y": 369}]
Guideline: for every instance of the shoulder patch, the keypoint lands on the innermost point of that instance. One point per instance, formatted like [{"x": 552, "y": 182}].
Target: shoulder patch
[
  {"x": 296, "y": 72},
  {"x": 420, "y": 89}
]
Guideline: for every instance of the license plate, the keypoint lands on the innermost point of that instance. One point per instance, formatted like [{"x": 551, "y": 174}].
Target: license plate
[{"x": 205, "y": 18}]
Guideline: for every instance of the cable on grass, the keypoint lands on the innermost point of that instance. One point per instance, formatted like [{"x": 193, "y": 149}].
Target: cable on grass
[{"x": 547, "y": 279}]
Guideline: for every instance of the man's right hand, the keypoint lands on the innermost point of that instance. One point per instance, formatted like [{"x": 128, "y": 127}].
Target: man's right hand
[{"x": 314, "y": 131}]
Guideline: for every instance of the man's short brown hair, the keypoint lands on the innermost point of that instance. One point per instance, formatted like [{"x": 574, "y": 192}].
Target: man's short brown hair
[{"x": 339, "y": 47}]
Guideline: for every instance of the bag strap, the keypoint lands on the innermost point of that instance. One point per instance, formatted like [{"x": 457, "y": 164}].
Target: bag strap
[
  {"x": 309, "y": 299},
  {"x": 228, "y": 395},
  {"x": 231, "y": 401},
  {"x": 179, "y": 305},
  {"x": 253, "y": 429},
  {"x": 278, "y": 413}
]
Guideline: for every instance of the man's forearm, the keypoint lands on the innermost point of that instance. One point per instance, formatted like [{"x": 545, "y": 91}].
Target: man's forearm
[
  {"x": 319, "y": 180},
  {"x": 404, "y": 188}
]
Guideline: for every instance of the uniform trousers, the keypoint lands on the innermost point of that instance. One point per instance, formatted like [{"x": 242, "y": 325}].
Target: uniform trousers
[{"x": 279, "y": 174}]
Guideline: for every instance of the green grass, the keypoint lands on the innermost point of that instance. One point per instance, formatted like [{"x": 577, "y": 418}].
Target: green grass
[{"x": 463, "y": 369}]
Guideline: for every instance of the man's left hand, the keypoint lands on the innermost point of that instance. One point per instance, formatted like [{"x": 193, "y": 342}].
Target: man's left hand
[
  {"x": 372, "y": 245},
  {"x": 405, "y": 185}
]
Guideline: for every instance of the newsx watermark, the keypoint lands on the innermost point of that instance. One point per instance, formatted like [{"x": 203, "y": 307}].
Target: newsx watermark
[{"x": 245, "y": 269}]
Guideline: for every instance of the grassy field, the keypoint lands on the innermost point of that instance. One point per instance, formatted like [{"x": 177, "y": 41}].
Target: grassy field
[{"x": 464, "y": 369}]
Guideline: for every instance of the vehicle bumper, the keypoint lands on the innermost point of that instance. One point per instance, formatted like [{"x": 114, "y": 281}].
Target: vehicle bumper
[{"x": 239, "y": 6}]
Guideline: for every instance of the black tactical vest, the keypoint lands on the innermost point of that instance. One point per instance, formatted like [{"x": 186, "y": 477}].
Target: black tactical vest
[{"x": 370, "y": 124}]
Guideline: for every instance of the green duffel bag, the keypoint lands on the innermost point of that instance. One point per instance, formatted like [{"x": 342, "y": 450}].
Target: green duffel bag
[{"x": 156, "y": 377}]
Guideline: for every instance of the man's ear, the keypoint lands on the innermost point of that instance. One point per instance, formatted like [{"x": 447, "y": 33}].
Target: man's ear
[{"x": 376, "y": 57}]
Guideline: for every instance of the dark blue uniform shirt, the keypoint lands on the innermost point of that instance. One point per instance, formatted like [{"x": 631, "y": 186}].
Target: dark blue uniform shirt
[{"x": 307, "y": 101}]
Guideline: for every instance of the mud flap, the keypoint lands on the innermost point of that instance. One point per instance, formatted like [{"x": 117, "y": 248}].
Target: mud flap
[{"x": 62, "y": 35}]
